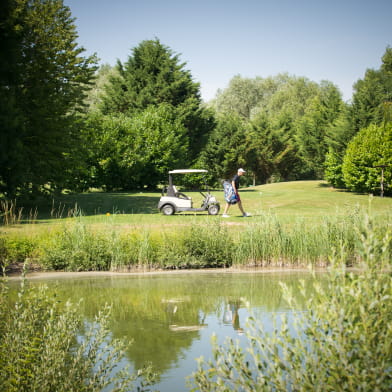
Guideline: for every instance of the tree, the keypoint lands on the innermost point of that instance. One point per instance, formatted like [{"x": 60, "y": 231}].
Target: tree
[
  {"x": 47, "y": 78},
  {"x": 372, "y": 95},
  {"x": 333, "y": 170},
  {"x": 153, "y": 75},
  {"x": 313, "y": 127},
  {"x": 368, "y": 151},
  {"x": 288, "y": 120},
  {"x": 133, "y": 152},
  {"x": 270, "y": 152},
  {"x": 241, "y": 96},
  {"x": 11, "y": 116},
  {"x": 101, "y": 79},
  {"x": 225, "y": 150}
]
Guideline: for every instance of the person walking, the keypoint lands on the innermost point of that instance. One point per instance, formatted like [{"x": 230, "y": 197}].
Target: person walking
[{"x": 235, "y": 183}]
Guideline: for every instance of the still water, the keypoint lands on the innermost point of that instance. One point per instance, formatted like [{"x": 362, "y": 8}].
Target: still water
[{"x": 170, "y": 317}]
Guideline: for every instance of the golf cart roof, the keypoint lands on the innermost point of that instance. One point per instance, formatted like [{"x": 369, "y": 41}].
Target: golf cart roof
[{"x": 184, "y": 171}]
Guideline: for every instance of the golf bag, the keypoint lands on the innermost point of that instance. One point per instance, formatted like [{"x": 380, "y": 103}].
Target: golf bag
[{"x": 230, "y": 195}]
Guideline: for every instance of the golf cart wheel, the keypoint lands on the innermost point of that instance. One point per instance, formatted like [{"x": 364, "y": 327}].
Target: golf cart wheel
[
  {"x": 167, "y": 209},
  {"x": 213, "y": 209}
]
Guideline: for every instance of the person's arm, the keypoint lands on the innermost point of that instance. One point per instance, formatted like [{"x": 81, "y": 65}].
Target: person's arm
[{"x": 233, "y": 185}]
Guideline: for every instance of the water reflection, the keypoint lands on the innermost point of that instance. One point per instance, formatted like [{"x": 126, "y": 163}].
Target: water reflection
[
  {"x": 231, "y": 315},
  {"x": 170, "y": 317}
]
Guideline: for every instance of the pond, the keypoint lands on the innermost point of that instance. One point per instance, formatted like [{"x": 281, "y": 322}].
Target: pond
[{"x": 170, "y": 317}]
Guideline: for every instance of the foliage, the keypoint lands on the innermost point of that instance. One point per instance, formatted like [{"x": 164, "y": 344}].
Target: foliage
[
  {"x": 101, "y": 79},
  {"x": 342, "y": 342},
  {"x": 225, "y": 150},
  {"x": 338, "y": 136},
  {"x": 268, "y": 242},
  {"x": 333, "y": 170},
  {"x": 43, "y": 82},
  {"x": 288, "y": 120},
  {"x": 16, "y": 250},
  {"x": 271, "y": 153},
  {"x": 132, "y": 152},
  {"x": 42, "y": 349},
  {"x": 242, "y": 95},
  {"x": 312, "y": 129},
  {"x": 371, "y": 105},
  {"x": 373, "y": 95},
  {"x": 76, "y": 249},
  {"x": 210, "y": 248},
  {"x": 154, "y": 76},
  {"x": 370, "y": 148}
]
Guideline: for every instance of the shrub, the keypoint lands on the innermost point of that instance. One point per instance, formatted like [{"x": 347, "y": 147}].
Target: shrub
[
  {"x": 343, "y": 342},
  {"x": 370, "y": 148},
  {"x": 333, "y": 170},
  {"x": 16, "y": 249},
  {"x": 42, "y": 349},
  {"x": 77, "y": 249}
]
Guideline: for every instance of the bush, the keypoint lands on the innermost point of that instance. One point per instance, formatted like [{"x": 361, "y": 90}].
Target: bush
[
  {"x": 333, "y": 170},
  {"x": 342, "y": 343},
  {"x": 370, "y": 148},
  {"x": 16, "y": 249},
  {"x": 42, "y": 348},
  {"x": 77, "y": 249},
  {"x": 208, "y": 246}
]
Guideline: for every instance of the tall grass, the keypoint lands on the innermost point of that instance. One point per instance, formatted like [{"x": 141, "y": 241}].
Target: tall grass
[
  {"x": 11, "y": 214},
  {"x": 266, "y": 241},
  {"x": 270, "y": 242}
]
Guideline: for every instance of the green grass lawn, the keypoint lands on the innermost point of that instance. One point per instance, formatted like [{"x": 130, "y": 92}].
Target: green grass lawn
[{"x": 289, "y": 201}]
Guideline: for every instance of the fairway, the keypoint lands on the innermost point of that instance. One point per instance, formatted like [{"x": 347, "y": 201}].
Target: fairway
[{"x": 289, "y": 201}]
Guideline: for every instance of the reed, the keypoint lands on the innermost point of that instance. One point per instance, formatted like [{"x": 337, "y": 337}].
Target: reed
[
  {"x": 266, "y": 241},
  {"x": 10, "y": 213},
  {"x": 270, "y": 242}
]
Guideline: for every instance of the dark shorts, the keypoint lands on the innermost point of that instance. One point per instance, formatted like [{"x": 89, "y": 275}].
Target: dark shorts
[{"x": 238, "y": 197}]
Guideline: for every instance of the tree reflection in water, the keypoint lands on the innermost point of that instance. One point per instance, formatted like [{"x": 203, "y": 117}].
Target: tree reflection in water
[{"x": 168, "y": 315}]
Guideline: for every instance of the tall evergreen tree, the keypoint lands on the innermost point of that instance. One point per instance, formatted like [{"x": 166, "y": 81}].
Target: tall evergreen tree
[
  {"x": 11, "y": 117},
  {"x": 312, "y": 134},
  {"x": 226, "y": 148},
  {"x": 151, "y": 76},
  {"x": 48, "y": 77},
  {"x": 373, "y": 95},
  {"x": 154, "y": 75}
]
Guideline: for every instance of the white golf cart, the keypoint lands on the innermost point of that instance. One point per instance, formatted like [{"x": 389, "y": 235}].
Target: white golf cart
[{"x": 174, "y": 201}]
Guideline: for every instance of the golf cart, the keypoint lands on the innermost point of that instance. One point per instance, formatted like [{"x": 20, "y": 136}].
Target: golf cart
[{"x": 174, "y": 201}]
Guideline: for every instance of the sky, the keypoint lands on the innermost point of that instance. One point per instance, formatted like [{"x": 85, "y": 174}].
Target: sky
[{"x": 335, "y": 40}]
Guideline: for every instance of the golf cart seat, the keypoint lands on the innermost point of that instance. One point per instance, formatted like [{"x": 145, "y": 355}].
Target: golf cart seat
[{"x": 179, "y": 194}]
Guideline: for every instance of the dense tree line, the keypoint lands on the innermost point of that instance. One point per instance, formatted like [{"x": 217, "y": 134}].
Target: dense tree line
[
  {"x": 43, "y": 80},
  {"x": 66, "y": 125}
]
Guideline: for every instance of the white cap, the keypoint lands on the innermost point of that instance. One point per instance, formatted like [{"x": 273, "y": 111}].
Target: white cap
[{"x": 241, "y": 170}]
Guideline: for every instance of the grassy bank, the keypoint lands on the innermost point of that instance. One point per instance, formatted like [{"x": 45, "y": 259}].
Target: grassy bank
[{"x": 296, "y": 223}]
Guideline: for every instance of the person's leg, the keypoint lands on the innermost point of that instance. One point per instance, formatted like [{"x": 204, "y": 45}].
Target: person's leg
[
  {"x": 240, "y": 207},
  {"x": 226, "y": 209}
]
